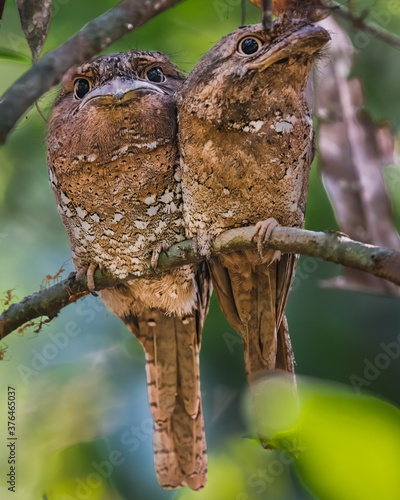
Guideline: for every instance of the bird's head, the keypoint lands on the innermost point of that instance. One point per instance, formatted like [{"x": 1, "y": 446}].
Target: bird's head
[
  {"x": 116, "y": 99},
  {"x": 251, "y": 68}
]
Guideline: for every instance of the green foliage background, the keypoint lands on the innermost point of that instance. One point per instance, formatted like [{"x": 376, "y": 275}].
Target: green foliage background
[{"x": 82, "y": 403}]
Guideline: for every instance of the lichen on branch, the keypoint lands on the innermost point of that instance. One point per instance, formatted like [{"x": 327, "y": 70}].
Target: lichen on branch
[{"x": 331, "y": 246}]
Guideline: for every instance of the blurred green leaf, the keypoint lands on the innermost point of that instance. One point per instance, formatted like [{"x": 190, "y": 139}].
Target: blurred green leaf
[
  {"x": 218, "y": 485},
  {"x": 348, "y": 446},
  {"x": 351, "y": 446},
  {"x": 10, "y": 55},
  {"x": 276, "y": 423},
  {"x": 245, "y": 472},
  {"x": 77, "y": 472}
]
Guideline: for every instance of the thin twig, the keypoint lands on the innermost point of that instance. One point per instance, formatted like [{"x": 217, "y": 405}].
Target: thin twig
[
  {"x": 40, "y": 113},
  {"x": 333, "y": 247},
  {"x": 92, "y": 39},
  {"x": 371, "y": 29},
  {"x": 266, "y": 9}
]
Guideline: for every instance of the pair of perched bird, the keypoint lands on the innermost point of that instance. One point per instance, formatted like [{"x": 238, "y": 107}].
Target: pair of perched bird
[{"x": 141, "y": 158}]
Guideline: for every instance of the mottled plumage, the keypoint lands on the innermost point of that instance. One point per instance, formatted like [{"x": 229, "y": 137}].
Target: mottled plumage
[
  {"x": 114, "y": 168},
  {"x": 247, "y": 143}
]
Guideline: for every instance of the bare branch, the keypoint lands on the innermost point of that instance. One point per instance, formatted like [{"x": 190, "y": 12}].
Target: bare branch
[
  {"x": 89, "y": 41},
  {"x": 266, "y": 7},
  {"x": 319, "y": 9},
  {"x": 333, "y": 247},
  {"x": 361, "y": 24}
]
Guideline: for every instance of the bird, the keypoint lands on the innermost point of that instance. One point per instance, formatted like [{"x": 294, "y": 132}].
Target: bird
[
  {"x": 114, "y": 168},
  {"x": 246, "y": 140}
]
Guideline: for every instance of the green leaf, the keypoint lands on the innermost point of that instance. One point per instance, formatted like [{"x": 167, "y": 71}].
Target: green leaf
[
  {"x": 351, "y": 446},
  {"x": 347, "y": 446},
  {"x": 10, "y": 55}
]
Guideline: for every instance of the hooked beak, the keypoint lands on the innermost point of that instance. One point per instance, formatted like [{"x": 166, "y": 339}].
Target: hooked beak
[
  {"x": 118, "y": 91},
  {"x": 308, "y": 40}
]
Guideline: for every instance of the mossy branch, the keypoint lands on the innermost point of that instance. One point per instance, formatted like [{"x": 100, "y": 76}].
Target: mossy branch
[
  {"x": 332, "y": 246},
  {"x": 96, "y": 36}
]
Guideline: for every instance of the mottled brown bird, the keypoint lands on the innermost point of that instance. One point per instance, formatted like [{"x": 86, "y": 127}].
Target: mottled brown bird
[
  {"x": 114, "y": 168},
  {"x": 247, "y": 143},
  {"x": 314, "y": 10}
]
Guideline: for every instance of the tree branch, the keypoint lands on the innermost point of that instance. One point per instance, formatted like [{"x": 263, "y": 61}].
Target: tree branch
[
  {"x": 266, "y": 8},
  {"x": 89, "y": 41},
  {"x": 371, "y": 29},
  {"x": 333, "y": 247}
]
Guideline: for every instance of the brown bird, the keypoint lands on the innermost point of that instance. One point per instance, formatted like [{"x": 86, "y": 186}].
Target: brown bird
[
  {"x": 247, "y": 143},
  {"x": 314, "y": 10},
  {"x": 114, "y": 168}
]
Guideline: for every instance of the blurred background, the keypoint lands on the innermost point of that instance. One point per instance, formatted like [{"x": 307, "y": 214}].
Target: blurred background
[{"x": 84, "y": 426}]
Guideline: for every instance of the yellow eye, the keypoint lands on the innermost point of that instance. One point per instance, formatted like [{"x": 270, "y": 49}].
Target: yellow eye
[
  {"x": 249, "y": 46},
  {"x": 81, "y": 87}
]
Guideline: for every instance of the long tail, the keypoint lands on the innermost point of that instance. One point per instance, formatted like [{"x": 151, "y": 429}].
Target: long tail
[
  {"x": 253, "y": 297},
  {"x": 171, "y": 345}
]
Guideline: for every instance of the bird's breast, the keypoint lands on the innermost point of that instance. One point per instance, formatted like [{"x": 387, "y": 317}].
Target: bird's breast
[
  {"x": 247, "y": 171},
  {"x": 117, "y": 212}
]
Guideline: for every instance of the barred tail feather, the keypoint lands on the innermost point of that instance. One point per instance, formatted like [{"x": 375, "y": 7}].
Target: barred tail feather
[
  {"x": 253, "y": 297},
  {"x": 171, "y": 345}
]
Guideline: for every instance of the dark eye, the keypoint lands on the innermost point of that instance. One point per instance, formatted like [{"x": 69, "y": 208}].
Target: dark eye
[
  {"x": 81, "y": 87},
  {"x": 249, "y": 46},
  {"x": 155, "y": 75}
]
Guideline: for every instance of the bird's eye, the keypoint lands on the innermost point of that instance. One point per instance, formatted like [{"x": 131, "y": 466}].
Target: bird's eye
[
  {"x": 81, "y": 87},
  {"x": 249, "y": 46},
  {"x": 155, "y": 75}
]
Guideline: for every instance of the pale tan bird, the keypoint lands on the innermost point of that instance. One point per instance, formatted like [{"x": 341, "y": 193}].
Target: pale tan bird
[
  {"x": 247, "y": 142},
  {"x": 114, "y": 168}
]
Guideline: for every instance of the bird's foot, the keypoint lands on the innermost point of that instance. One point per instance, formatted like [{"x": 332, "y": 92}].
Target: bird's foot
[
  {"x": 89, "y": 272},
  {"x": 155, "y": 255},
  {"x": 202, "y": 244},
  {"x": 263, "y": 234}
]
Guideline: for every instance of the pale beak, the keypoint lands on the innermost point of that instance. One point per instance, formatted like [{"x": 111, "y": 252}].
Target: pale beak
[
  {"x": 307, "y": 40},
  {"x": 118, "y": 91}
]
